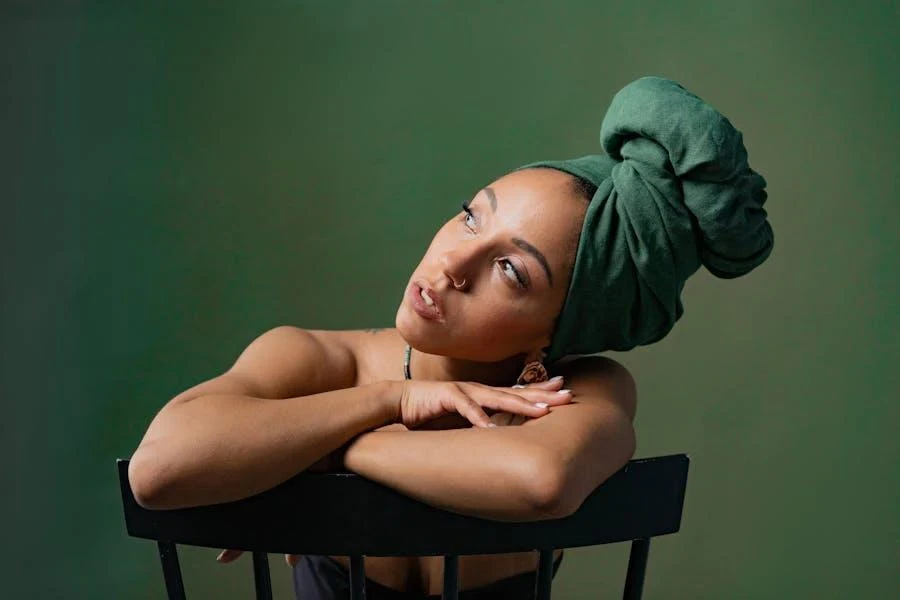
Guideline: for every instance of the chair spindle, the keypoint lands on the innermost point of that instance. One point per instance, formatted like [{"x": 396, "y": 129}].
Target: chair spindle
[
  {"x": 451, "y": 577},
  {"x": 544, "y": 575},
  {"x": 637, "y": 566},
  {"x": 261, "y": 576},
  {"x": 357, "y": 577},
  {"x": 168, "y": 555}
]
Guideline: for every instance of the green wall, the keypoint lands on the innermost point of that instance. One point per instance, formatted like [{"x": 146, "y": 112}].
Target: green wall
[{"x": 173, "y": 183}]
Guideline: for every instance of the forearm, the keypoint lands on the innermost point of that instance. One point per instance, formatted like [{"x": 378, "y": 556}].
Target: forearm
[
  {"x": 218, "y": 448},
  {"x": 489, "y": 473}
]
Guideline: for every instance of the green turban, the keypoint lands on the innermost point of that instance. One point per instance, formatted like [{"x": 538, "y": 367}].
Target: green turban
[{"x": 674, "y": 191}]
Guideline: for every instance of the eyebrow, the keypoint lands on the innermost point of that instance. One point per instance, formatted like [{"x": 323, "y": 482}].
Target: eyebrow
[
  {"x": 537, "y": 255},
  {"x": 492, "y": 197}
]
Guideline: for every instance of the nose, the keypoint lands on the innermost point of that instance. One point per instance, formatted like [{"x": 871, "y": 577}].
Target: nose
[{"x": 458, "y": 264}]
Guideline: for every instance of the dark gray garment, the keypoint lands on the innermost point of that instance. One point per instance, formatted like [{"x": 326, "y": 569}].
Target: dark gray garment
[{"x": 323, "y": 578}]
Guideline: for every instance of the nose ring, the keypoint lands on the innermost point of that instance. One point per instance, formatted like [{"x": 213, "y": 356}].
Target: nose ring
[{"x": 460, "y": 285}]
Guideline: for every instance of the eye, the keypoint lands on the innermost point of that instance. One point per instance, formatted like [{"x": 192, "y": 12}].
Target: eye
[
  {"x": 469, "y": 218},
  {"x": 511, "y": 272}
]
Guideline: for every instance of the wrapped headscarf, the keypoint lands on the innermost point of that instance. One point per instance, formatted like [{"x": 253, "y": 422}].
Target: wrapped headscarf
[{"x": 674, "y": 191}]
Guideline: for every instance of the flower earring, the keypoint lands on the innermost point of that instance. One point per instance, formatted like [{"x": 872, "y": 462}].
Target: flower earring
[{"x": 534, "y": 371}]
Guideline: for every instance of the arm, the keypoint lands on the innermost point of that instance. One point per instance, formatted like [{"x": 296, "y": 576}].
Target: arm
[
  {"x": 542, "y": 469},
  {"x": 267, "y": 418}
]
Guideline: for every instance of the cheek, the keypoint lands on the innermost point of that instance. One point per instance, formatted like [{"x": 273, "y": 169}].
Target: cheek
[{"x": 494, "y": 319}]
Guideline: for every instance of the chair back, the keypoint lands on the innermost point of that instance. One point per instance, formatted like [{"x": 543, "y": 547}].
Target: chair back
[{"x": 345, "y": 514}]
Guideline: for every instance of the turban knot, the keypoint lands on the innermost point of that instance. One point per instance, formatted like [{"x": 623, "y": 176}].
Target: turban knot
[{"x": 674, "y": 191}]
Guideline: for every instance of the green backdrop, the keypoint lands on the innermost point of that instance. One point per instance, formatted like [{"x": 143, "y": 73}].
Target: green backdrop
[{"x": 175, "y": 182}]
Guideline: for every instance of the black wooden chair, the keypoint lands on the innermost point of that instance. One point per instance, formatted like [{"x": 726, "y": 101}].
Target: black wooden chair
[{"x": 344, "y": 514}]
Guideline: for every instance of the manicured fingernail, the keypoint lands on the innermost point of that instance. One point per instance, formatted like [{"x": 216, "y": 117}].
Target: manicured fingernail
[
  {"x": 564, "y": 392},
  {"x": 492, "y": 424},
  {"x": 541, "y": 404},
  {"x": 518, "y": 387},
  {"x": 556, "y": 379}
]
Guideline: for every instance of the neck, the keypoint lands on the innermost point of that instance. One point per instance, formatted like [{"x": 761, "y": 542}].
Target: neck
[{"x": 433, "y": 367}]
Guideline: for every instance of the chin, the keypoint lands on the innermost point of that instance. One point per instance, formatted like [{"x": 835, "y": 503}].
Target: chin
[
  {"x": 426, "y": 337},
  {"x": 422, "y": 335}
]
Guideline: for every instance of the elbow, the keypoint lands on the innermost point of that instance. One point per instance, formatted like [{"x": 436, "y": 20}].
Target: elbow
[
  {"x": 148, "y": 479},
  {"x": 546, "y": 491},
  {"x": 553, "y": 501},
  {"x": 556, "y": 492}
]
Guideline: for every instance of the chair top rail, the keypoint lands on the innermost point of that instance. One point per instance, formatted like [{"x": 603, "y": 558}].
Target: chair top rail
[{"x": 344, "y": 513}]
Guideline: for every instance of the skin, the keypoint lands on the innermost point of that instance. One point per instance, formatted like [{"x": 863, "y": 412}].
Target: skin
[
  {"x": 492, "y": 321},
  {"x": 491, "y": 325}
]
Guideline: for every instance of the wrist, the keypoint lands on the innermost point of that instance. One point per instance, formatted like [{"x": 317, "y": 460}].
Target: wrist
[{"x": 388, "y": 398}]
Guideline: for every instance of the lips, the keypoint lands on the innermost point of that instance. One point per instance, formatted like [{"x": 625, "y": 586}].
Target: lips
[{"x": 425, "y": 310}]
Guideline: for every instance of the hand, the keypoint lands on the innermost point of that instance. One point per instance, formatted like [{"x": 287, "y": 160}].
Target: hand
[{"x": 424, "y": 401}]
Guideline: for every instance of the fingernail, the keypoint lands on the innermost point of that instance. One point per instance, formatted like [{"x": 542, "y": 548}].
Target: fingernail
[
  {"x": 541, "y": 404},
  {"x": 564, "y": 392},
  {"x": 555, "y": 379},
  {"x": 219, "y": 557},
  {"x": 518, "y": 387},
  {"x": 492, "y": 424}
]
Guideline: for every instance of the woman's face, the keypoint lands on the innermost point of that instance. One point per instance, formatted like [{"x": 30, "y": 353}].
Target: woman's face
[{"x": 495, "y": 276}]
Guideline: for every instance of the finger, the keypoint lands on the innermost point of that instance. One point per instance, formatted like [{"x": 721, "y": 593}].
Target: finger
[
  {"x": 514, "y": 403},
  {"x": 542, "y": 398},
  {"x": 554, "y": 383},
  {"x": 291, "y": 559},
  {"x": 537, "y": 392},
  {"x": 471, "y": 410},
  {"x": 227, "y": 556},
  {"x": 523, "y": 401},
  {"x": 553, "y": 398}
]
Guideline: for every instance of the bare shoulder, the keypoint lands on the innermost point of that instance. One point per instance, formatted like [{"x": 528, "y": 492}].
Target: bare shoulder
[
  {"x": 289, "y": 361},
  {"x": 601, "y": 378}
]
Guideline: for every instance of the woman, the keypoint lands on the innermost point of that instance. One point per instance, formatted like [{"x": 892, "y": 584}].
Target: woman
[{"x": 552, "y": 261}]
